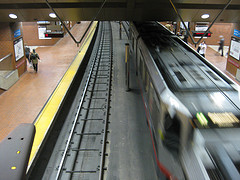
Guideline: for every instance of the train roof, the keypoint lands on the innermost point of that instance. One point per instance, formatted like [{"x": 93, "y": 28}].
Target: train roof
[
  {"x": 181, "y": 68},
  {"x": 188, "y": 75}
]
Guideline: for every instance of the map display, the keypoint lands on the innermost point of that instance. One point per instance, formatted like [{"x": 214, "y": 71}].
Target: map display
[
  {"x": 18, "y": 49},
  {"x": 235, "y": 48}
]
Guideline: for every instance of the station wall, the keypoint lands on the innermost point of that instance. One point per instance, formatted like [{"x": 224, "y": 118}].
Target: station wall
[
  {"x": 7, "y": 38},
  {"x": 6, "y": 44},
  {"x": 31, "y": 38},
  {"x": 12, "y": 55},
  {"x": 224, "y": 29}
]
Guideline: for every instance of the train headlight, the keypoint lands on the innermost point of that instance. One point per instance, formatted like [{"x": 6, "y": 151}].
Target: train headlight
[{"x": 218, "y": 99}]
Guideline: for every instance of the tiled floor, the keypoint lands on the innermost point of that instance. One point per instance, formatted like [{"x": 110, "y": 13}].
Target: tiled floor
[
  {"x": 219, "y": 61},
  {"x": 213, "y": 56},
  {"x": 25, "y": 99}
]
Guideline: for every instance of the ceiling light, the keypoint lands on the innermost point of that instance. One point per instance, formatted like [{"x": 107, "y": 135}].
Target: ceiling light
[
  {"x": 205, "y": 16},
  {"x": 52, "y": 15},
  {"x": 13, "y": 16}
]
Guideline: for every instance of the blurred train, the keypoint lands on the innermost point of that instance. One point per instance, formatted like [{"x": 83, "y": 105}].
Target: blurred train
[{"x": 192, "y": 108}]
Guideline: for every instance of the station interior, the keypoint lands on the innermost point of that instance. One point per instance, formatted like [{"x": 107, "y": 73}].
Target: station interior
[{"x": 35, "y": 104}]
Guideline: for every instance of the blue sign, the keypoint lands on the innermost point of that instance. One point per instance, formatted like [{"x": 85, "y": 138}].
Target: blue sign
[
  {"x": 17, "y": 33},
  {"x": 236, "y": 33}
]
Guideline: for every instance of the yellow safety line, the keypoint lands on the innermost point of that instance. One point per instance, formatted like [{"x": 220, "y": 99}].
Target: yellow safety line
[{"x": 47, "y": 115}]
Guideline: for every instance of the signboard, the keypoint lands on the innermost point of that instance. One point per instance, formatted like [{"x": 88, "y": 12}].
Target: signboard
[
  {"x": 235, "y": 48},
  {"x": 201, "y": 27},
  {"x": 17, "y": 33},
  {"x": 41, "y": 32},
  {"x": 43, "y": 22},
  {"x": 236, "y": 33},
  {"x": 18, "y": 49}
]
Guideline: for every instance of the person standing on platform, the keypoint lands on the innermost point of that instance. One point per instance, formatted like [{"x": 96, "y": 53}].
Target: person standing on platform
[
  {"x": 34, "y": 58},
  {"x": 221, "y": 44},
  {"x": 203, "y": 48}
]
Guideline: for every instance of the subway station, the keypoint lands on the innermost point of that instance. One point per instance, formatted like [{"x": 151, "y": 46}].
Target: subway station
[{"x": 127, "y": 89}]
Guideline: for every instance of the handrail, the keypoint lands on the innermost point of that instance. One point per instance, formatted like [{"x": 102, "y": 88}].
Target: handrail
[{"x": 5, "y": 57}]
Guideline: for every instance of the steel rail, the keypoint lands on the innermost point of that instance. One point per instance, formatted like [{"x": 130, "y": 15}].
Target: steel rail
[
  {"x": 96, "y": 62},
  {"x": 106, "y": 122},
  {"x": 74, "y": 124},
  {"x": 105, "y": 41}
]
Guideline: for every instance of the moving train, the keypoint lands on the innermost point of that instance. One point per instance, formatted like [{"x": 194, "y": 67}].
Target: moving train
[{"x": 192, "y": 108}]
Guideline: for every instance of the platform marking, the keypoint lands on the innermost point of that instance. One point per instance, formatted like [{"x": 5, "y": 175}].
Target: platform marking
[{"x": 48, "y": 113}]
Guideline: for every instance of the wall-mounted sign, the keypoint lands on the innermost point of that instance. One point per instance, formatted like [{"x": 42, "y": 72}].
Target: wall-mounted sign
[
  {"x": 235, "y": 48},
  {"x": 201, "y": 27},
  {"x": 43, "y": 22},
  {"x": 17, "y": 33},
  {"x": 18, "y": 48},
  {"x": 236, "y": 33},
  {"x": 41, "y": 32}
]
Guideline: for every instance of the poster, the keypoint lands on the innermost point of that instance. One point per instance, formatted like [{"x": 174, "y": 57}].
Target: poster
[
  {"x": 235, "y": 48},
  {"x": 18, "y": 49}
]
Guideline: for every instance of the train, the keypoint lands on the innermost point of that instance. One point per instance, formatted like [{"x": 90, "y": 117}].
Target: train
[{"x": 192, "y": 108}]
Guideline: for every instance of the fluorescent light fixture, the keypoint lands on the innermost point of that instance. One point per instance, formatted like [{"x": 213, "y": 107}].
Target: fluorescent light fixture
[
  {"x": 13, "y": 16},
  {"x": 205, "y": 16},
  {"x": 52, "y": 15}
]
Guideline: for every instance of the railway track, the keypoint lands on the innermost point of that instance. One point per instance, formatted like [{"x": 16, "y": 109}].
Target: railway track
[{"x": 84, "y": 152}]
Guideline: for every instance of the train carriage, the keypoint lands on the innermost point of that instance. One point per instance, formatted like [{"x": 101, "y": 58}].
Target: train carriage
[{"x": 192, "y": 108}]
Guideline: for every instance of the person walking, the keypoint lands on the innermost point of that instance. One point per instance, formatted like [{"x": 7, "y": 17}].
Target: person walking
[
  {"x": 221, "y": 44},
  {"x": 203, "y": 48},
  {"x": 27, "y": 52},
  {"x": 34, "y": 58}
]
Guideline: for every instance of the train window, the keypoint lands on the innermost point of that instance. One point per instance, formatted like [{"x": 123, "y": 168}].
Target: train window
[
  {"x": 147, "y": 82},
  {"x": 133, "y": 44},
  {"x": 143, "y": 73},
  {"x": 141, "y": 66},
  {"x": 179, "y": 76},
  {"x": 213, "y": 75},
  {"x": 155, "y": 97},
  {"x": 196, "y": 74},
  {"x": 172, "y": 128},
  {"x": 154, "y": 106}
]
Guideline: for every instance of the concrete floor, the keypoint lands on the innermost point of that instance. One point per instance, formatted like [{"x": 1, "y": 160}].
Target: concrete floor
[{"x": 130, "y": 151}]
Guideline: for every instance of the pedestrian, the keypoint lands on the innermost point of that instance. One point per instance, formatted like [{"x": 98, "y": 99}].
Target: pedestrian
[
  {"x": 34, "y": 58},
  {"x": 203, "y": 48},
  {"x": 27, "y": 52},
  {"x": 221, "y": 44},
  {"x": 168, "y": 26},
  {"x": 185, "y": 38}
]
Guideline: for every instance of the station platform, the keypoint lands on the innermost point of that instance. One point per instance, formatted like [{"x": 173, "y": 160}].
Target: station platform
[
  {"x": 213, "y": 56},
  {"x": 25, "y": 100}
]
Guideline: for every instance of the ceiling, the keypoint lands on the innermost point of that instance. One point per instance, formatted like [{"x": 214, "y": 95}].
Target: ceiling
[{"x": 137, "y": 10}]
